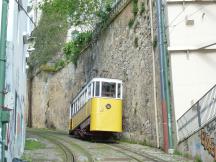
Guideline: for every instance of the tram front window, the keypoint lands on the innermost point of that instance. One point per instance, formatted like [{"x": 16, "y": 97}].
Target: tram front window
[{"x": 108, "y": 89}]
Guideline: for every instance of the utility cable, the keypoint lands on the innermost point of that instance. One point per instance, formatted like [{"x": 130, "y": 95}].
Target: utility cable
[
  {"x": 25, "y": 12},
  {"x": 172, "y": 28},
  {"x": 173, "y": 20},
  {"x": 188, "y": 16}
]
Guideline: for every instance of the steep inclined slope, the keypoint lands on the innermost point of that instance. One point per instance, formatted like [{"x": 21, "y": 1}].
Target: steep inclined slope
[{"x": 120, "y": 52}]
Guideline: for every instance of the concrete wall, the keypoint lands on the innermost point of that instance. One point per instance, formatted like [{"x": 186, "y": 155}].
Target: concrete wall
[
  {"x": 15, "y": 83},
  {"x": 119, "y": 52},
  {"x": 202, "y": 143},
  {"x": 191, "y": 26}
]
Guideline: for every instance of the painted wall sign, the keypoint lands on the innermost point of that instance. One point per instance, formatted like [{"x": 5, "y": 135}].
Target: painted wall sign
[{"x": 208, "y": 143}]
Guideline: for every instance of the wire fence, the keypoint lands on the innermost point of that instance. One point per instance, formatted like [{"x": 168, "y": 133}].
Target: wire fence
[{"x": 202, "y": 112}]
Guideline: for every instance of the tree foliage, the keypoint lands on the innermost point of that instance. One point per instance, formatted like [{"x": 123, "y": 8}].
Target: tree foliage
[
  {"x": 79, "y": 12},
  {"x": 49, "y": 36},
  {"x": 72, "y": 49},
  {"x": 57, "y": 17}
]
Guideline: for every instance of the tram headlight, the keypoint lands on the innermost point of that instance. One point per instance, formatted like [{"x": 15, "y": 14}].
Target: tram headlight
[{"x": 108, "y": 106}]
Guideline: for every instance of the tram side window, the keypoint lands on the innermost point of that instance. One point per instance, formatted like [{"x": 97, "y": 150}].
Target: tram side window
[
  {"x": 72, "y": 111},
  {"x": 86, "y": 96},
  {"x": 79, "y": 103},
  {"x": 89, "y": 91},
  {"x": 76, "y": 107},
  {"x": 119, "y": 91},
  {"x": 97, "y": 89},
  {"x": 93, "y": 88},
  {"x": 108, "y": 89},
  {"x": 83, "y": 99}
]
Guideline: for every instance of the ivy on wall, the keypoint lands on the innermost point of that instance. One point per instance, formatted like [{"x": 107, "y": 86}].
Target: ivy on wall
[
  {"x": 73, "y": 49},
  {"x": 135, "y": 11}
]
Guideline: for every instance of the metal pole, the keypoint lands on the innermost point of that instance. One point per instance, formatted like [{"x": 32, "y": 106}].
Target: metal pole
[
  {"x": 163, "y": 93},
  {"x": 3, "y": 37},
  {"x": 166, "y": 104},
  {"x": 167, "y": 87}
]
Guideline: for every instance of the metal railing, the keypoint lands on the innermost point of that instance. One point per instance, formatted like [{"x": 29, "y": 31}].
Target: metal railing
[{"x": 202, "y": 112}]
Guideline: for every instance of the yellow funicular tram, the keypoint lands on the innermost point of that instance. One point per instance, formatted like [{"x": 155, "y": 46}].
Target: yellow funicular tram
[{"x": 97, "y": 108}]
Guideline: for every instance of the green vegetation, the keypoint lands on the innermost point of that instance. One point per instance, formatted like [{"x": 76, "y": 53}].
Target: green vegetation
[
  {"x": 155, "y": 42},
  {"x": 135, "y": 7},
  {"x": 136, "y": 42},
  {"x": 135, "y": 11},
  {"x": 186, "y": 155},
  {"x": 197, "y": 158},
  {"x": 26, "y": 158},
  {"x": 33, "y": 145},
  {"x": 49, "y": 38},
  {"x": 142, "y": 10},
  {"x": 52, "y": 68},
  {"x": 51, "y": 32},
  {"x": 130, "y": 23},
  {"x": 176, "y": 152},
  {"x": 72, "y": 49},
  {"x": 103, "y": 15}
]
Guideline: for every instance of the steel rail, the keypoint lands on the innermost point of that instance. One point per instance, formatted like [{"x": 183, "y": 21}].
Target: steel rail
[
  {"x": 69, "y": 156},
  {"x": 61, "y": 136},
  {"x": 142, "y": 154},
  {"x": 73, "y": 143},
  {"x": 123, "y": 152}
]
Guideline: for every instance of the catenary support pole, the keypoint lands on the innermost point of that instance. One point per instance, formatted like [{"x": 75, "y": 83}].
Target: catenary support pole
[
  {"x": 163, "y": 92},
  {"x": 163, "y": 67},
  {"x": 167, "y": 88}
]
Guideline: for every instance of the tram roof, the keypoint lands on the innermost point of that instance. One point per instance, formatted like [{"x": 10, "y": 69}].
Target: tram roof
[
  {"x": 106, "y": 80},
  {"x": 93, "y": 80}
]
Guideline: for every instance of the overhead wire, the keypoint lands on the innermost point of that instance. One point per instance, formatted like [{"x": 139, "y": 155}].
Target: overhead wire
[
  {"x": 188, "y": 16},
  {"x": 175, "y": 25},
  {"x": 173, "y": 20},
  {"x": 20, "y": 5}
]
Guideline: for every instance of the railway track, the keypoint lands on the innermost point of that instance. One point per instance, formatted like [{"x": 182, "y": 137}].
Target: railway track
[
  {"x": 132, "y": 154},
  {"x": 75, "y": 150},
  {"x": 127, "y": 151},
  {"x": 63, "y": 138},
  {"x": 68, "y": 155}
]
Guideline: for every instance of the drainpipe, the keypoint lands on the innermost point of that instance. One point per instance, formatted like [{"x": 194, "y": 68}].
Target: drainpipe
[
  {"x": 4, "y": 115},
  {"x": 154, "y": 77},
  {"x": 167, "y": 125}
]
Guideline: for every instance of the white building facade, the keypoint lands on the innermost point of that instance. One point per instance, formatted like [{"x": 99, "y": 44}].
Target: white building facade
[
  {"x": 15, "y": 81},
  {"x": 192, "y": 49}
]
